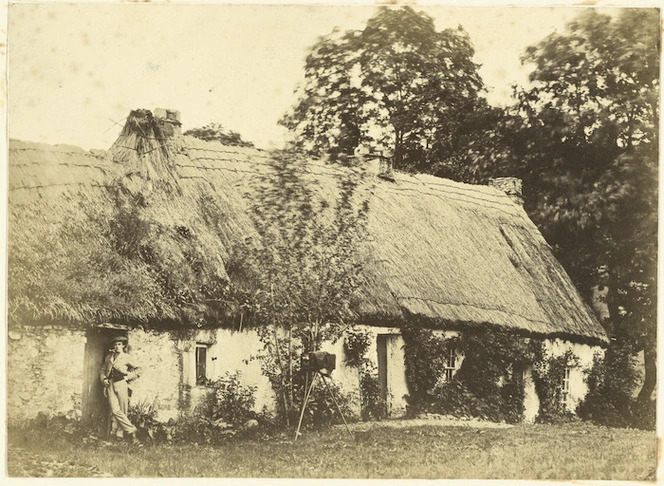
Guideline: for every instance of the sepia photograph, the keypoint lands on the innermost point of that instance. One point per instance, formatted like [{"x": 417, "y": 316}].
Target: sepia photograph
[{"x": 379, "y": 240}]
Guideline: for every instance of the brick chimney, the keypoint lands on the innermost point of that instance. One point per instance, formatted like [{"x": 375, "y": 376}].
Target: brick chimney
[
  {"x": 169, "y": 121},
  {"x": 512, "y": 186}
]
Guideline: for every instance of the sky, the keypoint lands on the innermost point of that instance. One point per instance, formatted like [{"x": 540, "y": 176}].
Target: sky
[{"x": 76, "y": 71}]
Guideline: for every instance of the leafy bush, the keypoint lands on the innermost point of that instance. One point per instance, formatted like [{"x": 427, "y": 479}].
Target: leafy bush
[
  {"x": 454, "y": 398},
  {"x": 372, "y": 402},
  {"x": 144, "y": 416},
  {"x": 356, "y": 347},
  {"x": 644, "y": 416},
  {"x": 222, "y": 413},
  {"x": 142, "y": 412},
  {"x": 612, "y": 380},
  {"x": 233, "y": 402},
  {"x": 321, "y": 410},
  {"x": 195, "y": 427}
]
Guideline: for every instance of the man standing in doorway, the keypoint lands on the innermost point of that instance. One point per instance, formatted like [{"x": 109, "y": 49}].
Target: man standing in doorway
[{"x": 116, "y": 371}]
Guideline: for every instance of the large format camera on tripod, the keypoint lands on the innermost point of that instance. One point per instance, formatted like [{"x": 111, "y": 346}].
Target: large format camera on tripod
[{"x": 319, "y": 363}]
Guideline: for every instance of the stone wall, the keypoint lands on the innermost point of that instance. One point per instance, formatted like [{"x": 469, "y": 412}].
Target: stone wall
[
  {"x": 44, "y": 371},
  {"x": 157, "y": 355}
]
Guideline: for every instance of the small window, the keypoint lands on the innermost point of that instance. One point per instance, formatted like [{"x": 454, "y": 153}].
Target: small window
[
  {"x": 201, "y": 363},
  {"x": 451, "y": 364},
  {"x": 564, "y": 397}
]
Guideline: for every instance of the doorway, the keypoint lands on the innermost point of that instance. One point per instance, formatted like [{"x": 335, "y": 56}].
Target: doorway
[
  {"x": 382, "y": 345},
  {"x": 94, "y": 405}
]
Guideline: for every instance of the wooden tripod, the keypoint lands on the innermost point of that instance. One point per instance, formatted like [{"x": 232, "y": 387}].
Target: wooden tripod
[{"x": 306, "y": 401}]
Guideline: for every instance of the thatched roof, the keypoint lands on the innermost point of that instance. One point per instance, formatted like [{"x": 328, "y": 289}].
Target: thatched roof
[{"x": 448, "y": 253}]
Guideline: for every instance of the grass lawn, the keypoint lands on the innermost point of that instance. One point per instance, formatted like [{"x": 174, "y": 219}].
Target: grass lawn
[{"x": 574, "y": 451}]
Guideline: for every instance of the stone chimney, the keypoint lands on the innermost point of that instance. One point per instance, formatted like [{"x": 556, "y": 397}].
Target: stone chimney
[
  {"x": 364, "y": 153},
  {"x": 512, "y": 186},
  {"x": 169, "y": 121}
]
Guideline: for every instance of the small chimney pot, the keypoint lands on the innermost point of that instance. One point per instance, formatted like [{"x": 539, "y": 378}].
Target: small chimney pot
[
  {"x": 169, "y": 120},
  {"x": 511, "y": 186}
]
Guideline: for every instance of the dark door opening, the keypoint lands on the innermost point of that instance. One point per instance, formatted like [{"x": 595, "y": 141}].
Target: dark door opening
[{"x": 381, "y": 346}]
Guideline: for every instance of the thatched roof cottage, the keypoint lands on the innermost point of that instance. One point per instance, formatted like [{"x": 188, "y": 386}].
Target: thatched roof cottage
[{"x": 84, "y": 265}]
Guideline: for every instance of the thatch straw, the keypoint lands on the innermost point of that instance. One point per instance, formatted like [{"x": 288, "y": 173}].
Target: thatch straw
[{"x": 450, "y": 253}]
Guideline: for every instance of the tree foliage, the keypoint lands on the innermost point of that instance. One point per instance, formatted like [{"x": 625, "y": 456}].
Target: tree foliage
[
  {"x": 584, "y": 138},
  {"x": 398, "y": 86},
  {"x": 216, "y": 132},
  {"x": 298, "y": 278}
]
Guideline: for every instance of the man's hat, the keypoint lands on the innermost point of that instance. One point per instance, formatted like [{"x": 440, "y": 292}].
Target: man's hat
[{"x": 119, "y": 339}]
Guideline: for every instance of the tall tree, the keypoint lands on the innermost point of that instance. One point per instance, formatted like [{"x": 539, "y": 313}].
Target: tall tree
[
  {"x": 297, "y": 280},
  {"x": 398, "y": 86},
  {"x": 585, "y": 136}
]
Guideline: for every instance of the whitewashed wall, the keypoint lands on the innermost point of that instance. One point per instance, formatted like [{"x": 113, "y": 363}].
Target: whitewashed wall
[
  {"x": 345, "y": 377},
  {"x": 530, "y": 399},
  {"x": 236, "y": 351},
  {"x": 229, "y": 351},
  {"x": 585, "y": 354}
]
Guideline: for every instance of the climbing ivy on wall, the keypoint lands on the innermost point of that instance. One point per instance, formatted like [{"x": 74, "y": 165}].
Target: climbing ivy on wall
[
  {"x": 424, "y": 355},
  {"x": 492, "y": 371},
  {"x": 548, "y": 374},
  {"x": 356, "y": 347},
  {"x": 490, "y": 381}
]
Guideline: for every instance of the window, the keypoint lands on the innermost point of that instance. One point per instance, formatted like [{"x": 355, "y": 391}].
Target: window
[
  {"x": 201, "y": 363},
  {"x": 564, "y": 397},
  {"x": 451, "y": 364}
]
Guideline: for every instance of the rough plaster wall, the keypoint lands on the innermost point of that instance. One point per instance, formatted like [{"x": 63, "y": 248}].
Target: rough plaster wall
[
  {"x": 229, "y": 351},
  {"x": 585, "y": 353},
  {"x": 235, "y": 352},
  {"x": 156, "y": 354},
  {"x": 396, "y": 376},
  {"x": 44, "y": 371},
  {"x": 530, "y": 399},
  {"x": 344, "y": 376}
]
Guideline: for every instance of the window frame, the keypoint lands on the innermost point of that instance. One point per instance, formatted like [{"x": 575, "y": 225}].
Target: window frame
[
  {"x": 451, "y": 363},
  {"x": 565, "y": 387},
  {"x": 205, "y": 365}
]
